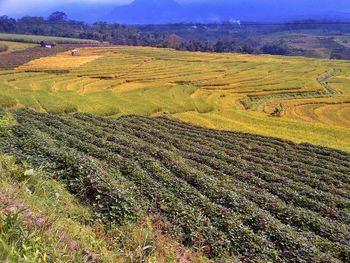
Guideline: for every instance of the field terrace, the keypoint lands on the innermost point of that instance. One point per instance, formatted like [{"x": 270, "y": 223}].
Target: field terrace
[{"x": 223, "y": 91}]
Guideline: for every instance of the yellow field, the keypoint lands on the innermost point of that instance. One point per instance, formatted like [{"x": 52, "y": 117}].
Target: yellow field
[
  {"x": 61, "y": 61},
  {"x": 15, "y": 46},
  {"x": 223, "y": 91}
]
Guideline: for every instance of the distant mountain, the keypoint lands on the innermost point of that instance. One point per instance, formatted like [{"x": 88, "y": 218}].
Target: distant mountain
[
  {"x": 146, "y": 11},
  {"x": 89, "y": 13},
  {"x": 169, "y": 11}
]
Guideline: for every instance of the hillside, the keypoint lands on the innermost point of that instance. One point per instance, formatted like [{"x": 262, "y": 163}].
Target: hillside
[
  {"x": 223, "y": 193},
  {"x": 222, "y": 91},
  {"x": 40, "y": 221},
  {"x": 175, "y": 131},
  {"x": 171, "y": 11},
  {"x": 309, "y": 38}
]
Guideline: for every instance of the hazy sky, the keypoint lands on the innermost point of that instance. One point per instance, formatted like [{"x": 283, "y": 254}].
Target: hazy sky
[
  {"x": 18, "y": 7},
  {"x": 14, "y": 7}
]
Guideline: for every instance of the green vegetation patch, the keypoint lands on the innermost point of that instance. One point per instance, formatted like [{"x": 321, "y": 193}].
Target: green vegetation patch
[
  {"x": 41, "y": 222},
  {"x": 230, "y": 195},
  {"x": 37, "y": 39}
]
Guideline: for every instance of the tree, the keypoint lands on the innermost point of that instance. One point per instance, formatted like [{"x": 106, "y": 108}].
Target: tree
[
  {"x": 219, "y": 46},
  {"x": 58, "y": 17},
  {"x": 7, "y": 24},
  {"x": 248, "y": 49},
  {"x": 274, "y": 49},
  {"x": 277, "y": 48},
  {"x": 174, "y": 41},
  {"x": 33, "y": 25}
]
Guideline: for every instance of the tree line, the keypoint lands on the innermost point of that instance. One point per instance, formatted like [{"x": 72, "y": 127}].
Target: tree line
[
  {"x": 58, "y": 24},
  {"x": 217, "y": 38}
]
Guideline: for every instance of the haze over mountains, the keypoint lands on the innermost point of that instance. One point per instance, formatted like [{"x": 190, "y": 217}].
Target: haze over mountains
[{"x": 171, "y": 11}]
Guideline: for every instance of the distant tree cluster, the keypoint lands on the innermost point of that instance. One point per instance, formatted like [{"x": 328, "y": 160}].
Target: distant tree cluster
[
  {"x": 58, "y": 24},
  {"x": 225, "y": 37}
]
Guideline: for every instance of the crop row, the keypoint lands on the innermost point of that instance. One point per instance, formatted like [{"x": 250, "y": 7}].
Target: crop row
[{"x": 259, "y": 198}]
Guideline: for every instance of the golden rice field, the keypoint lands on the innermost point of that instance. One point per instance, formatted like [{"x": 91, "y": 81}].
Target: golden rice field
[{"x": 221, "y": 91}]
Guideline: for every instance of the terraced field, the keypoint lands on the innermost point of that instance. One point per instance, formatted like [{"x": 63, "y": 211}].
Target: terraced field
[
  {"x": 228, "y": 194},
  {"x": 222, "y": 91},
  {"x": 15, "y": 46},
  {"x": 37, "y": 39}
]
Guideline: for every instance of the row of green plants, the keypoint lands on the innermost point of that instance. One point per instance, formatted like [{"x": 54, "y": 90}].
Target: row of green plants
[
  {"x": 222, "y": 193},
  {"x": 119, "y": 142},
  {"x": 41, "y": 222}
]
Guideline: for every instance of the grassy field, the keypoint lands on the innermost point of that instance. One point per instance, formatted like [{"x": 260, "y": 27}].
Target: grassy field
[
  {"x": 37, "y": 39},
  {"x": 223, "y": 91},
  {"x": 229, "y": 195},
  {"x": 15, "y": 46}
]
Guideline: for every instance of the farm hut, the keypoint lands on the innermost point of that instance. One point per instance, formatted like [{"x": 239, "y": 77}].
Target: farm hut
[
  {"x": 74, "y": 52},
  {"x": 48, "y": 44}
]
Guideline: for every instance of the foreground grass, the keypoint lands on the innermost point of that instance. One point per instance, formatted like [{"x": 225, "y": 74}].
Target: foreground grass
[
  {"x": 229, "y": 195},
  {"x": 41, "y": 222},
  {"x": 224, "y": 91}
]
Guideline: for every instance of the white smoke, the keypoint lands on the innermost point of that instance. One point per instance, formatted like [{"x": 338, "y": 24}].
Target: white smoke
[{"x": 235, "y": 21}]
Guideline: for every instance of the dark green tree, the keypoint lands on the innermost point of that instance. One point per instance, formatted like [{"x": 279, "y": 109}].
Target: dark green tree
[{"x": 58, "y": 17}]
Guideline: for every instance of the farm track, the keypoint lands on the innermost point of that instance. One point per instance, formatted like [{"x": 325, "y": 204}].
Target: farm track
[{"x": 259, "y": 198}]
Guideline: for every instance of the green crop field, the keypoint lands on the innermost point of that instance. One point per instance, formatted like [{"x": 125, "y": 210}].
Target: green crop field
[
  {"x": 37, "y": 39},
  {"x": 16, "y": 46},
  {"x": 226, "y": 194},
  {"x": 223, "y": 91}
]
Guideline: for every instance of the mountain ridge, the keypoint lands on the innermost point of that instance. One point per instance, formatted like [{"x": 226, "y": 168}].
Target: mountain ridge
[{"x": 170, "y": 11}]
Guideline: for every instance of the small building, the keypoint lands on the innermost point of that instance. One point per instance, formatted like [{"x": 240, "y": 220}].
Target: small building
[
  {"x": 74, "y": 52},
  {"x": 48, "y": 44}
]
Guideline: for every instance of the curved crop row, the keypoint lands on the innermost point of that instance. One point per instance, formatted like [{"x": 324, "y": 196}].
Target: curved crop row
[{"x": 258, "y": 198}]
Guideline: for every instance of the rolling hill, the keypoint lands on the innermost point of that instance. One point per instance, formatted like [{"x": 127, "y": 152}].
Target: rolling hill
[
  {"x": 228, "y": 195},
  {"x": 170, "y": 11},
  {"x": 222, "y": 91},
  {"x": 138, "y": 154}
]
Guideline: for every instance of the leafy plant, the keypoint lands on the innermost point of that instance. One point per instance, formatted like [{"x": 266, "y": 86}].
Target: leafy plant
[{"x": 220, "y": 193}]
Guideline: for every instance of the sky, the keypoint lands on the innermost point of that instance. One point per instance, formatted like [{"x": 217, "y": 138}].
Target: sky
[
  {"x": 27, "y": 7},
  {"x": 16, "y": 7}
]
